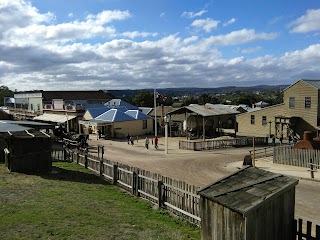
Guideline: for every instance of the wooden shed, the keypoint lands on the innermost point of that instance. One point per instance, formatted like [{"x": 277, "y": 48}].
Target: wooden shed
[
  {"x": 28, "y": 152},
  {"x": 250, "y": 204}
]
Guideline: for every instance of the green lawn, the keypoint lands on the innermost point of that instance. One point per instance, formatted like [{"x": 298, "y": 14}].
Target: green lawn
[{"x": 72, "y": 203}]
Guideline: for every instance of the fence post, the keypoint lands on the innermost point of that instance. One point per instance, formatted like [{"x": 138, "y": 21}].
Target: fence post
[
  {"x": 311, "y": 170},
  {"x": 294, "y": 229},
  {"x": 115, "y": 174},
  {"x": 78, "y": 156},
  {"x": 137, "y": 183},
  {"x": 300, "y": 229},
  {"x": 101, "y": 167},
  {"x": 134, "y": 183},
  {"x": 160, "y": 191},
  {"x": 86, "y": 160}
]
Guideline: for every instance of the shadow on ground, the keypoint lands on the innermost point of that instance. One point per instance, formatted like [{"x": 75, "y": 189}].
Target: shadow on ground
[{"x": 62, "y": 174}]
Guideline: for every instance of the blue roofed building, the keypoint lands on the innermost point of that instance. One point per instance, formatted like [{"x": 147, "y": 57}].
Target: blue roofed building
[
  {"x": 137, "y": 114},
  {"x": 116, "y": 123},
  {"x": 120, "y": 103}
]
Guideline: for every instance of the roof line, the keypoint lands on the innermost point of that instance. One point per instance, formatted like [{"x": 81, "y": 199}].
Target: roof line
[{"x": 276, "y": 175}]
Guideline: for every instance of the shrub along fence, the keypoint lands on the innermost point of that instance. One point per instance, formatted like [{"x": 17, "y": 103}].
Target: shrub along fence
[
  {"x": 197, "y": 145},
  {"x": 176, "y": 196},
  {"x": 296, "y": 157}
]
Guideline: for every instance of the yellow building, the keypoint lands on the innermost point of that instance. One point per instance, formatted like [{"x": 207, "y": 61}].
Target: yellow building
[{"x": 299, "y": 112}]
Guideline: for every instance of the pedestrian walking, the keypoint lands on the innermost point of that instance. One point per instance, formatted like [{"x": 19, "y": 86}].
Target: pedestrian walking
[
  {"x": 99, "y": 133},
  {"x": 147, "y": 142},
  {"x": 131, "y": 140},
  {"x": 281, "y": 139},
  {"x": 156, "y": 142},
  {"x": 273, "y": 140},
  {"x": 128, "y": 139}
]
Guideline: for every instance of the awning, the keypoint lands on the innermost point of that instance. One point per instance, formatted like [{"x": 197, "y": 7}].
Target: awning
[{"x": 57, "y": 118}]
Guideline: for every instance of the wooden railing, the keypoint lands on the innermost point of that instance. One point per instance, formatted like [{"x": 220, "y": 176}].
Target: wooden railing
[
  {"x": 296, "y": 157},
  {"x": 262, "y": 152},
  {"x": 216, "y": 144}
]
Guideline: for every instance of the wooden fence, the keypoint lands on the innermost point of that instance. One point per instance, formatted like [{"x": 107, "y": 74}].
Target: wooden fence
[
  {"x": 176, "y": 196},
  {"x": 216, "y": 144},
  {"x": 303, "y": 232},
  {"x": 262, "y": 152},
  {"x": 296, "y": 157}
]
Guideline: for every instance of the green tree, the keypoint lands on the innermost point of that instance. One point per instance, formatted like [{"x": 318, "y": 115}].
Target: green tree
[
  {"x": 4, "y": 92},
  {"x": 143, "y": 99},
  {"x": 189, "y": 100}
]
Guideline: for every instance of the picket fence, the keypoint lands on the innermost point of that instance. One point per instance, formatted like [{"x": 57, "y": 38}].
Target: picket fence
[
  {"x": 175, "y": 196},
  {"x": 209, "y": 144},
  {"x": 296, "y": 157}
]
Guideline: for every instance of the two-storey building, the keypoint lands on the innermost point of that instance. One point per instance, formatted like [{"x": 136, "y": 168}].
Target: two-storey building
[{"x": 299, "y": 112}]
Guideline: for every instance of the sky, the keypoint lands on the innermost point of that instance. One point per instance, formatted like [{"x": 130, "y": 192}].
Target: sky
[{"x": 140, "y": 44}]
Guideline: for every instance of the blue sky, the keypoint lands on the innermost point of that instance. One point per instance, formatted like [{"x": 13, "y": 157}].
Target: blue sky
[{"x": 134, "y": 44}]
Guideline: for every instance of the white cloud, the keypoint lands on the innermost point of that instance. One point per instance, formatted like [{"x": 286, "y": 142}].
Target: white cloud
[
  {"x": 36, "y": 53},
  {"x": 163, "y": 14},
  {"x": 231, "y": 21},
  {"x": 193, "y": 14},
  {"x": 70, "y": 15},
  {"x": 206, "y": 24},
  {"x": 107, "y": 17},
  {"x": 239, "y": 37},
  {"x": 307, "y": 23},
  {"x": 249, "y": 50},
  {"x": 135, "y": 34}
]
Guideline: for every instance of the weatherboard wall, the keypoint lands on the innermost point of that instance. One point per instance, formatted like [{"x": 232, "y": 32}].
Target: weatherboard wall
[
  {"x": 308, "y": 116},
  {"x": 300, "y": 90},
  {"x": 133, "y": 128}
]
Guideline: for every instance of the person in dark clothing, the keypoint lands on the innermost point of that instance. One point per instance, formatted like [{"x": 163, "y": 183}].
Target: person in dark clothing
[
  {"x": 281, "y": 139},
  {"x": 99, "y": 133},
  {"x": 128, "y": 138}
]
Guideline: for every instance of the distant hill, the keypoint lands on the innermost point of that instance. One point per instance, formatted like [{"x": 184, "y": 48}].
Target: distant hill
[{"x": 127, "y": 93}]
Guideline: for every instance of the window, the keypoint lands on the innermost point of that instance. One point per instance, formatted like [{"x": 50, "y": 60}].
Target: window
[
  {"x": 144, "y": 124},
  {"x": 292, "y": 102},
  {"x": 252, "y": 119},
  {"x": 307, "y": 102},
  {"x": 264, "y": 120}
]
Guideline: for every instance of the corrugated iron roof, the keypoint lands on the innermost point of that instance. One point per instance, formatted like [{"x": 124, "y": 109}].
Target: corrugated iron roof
[
  {"x": 247, "y": 188},
  {"x": 206, "y": 110},
  {"x": 120, "y": 103},
  {"x": 136, "y": 114},
  {"x": 95, "y": 112},
  {"x": 114, "y": 115},
  {"x": 5, "y": 127},
  {"x": 57, "y": 118}
]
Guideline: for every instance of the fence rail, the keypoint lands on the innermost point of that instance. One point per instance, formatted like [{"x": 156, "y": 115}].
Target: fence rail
[
  {"x": 262, "y": 152},
  {"x": 296, "y": 157},
  {"x": 216, "y": 144}
]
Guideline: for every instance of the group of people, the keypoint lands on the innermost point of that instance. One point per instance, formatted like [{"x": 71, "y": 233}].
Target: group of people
[
  {"x": 130, "y": 140},
  {"x": 292, "y": 139},
  {"x": 146, "y": 141}
]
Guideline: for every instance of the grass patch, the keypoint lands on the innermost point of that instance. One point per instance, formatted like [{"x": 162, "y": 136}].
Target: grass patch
[{"x": 72, "y": 203}]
